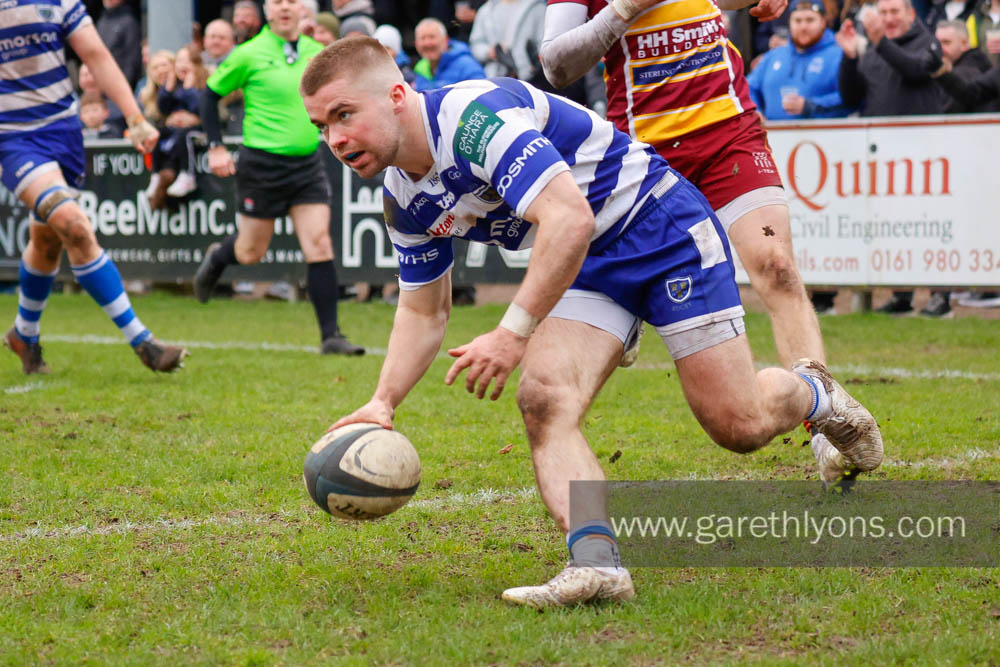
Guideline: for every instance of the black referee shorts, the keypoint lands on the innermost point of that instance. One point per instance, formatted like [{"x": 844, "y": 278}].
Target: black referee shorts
[{"x": 269, "y": 184}]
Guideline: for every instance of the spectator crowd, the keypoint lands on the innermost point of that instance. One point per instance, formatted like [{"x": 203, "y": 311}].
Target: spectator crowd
[{"x": 820, "y": 59}]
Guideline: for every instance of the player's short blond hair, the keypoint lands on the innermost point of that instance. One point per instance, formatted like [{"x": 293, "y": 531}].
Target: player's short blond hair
[{"x": 357, "y": 57}]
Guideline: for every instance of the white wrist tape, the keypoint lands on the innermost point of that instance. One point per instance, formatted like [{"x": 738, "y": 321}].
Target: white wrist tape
[
  {"x": 519, "y": 321},
  {"x": 625, "y": 9}
]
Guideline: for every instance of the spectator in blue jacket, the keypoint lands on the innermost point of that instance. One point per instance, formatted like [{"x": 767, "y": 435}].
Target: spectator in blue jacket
[
  {"x": 799, "y": 80},
  {"x": 442, "y": 61}
]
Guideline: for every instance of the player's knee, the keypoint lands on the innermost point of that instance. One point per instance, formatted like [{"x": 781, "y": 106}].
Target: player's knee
[
  {"x": 73, "y": 227},
  {"x": 779, "y": 274},
  {"x": 740, "y": 434},
  {"x": 249, "y": 253},
  {"x": 318, "y": 249},
  {"x": 543, "y": 404}
]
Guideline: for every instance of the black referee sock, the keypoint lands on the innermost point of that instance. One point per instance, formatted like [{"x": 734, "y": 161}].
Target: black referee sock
[
  {"x": 323, "y": 291},
  {"x": 225, "y": 254}
]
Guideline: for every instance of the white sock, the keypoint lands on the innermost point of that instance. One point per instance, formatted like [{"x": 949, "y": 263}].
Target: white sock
[{"x": 821, "y": 398}]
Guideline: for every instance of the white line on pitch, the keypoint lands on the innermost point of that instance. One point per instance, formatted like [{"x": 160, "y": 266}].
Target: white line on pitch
[
  {"x": 205, "y": 345},
  {"x": 124, "y": 526},
  {"x": 845, "y": 369}
]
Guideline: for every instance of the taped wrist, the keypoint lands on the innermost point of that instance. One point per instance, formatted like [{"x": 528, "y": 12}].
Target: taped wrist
[
  {"x": 519, "y": 321},
  {"x": 625, "y": 9},
  {"x": 139, "y": 128}
]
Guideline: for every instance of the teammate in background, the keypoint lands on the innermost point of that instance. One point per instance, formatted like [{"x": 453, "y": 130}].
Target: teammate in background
[
  {"x": 676, "y": 82},
  {"x": 280, "y": 170},
  {"x": 42, "y": 163},
  {"x": 618, "y": 236}
]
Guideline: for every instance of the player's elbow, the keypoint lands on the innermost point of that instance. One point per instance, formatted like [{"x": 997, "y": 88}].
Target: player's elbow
[
  {"x": 555, "y": 72},
  {"x": 580, "y": 225}
]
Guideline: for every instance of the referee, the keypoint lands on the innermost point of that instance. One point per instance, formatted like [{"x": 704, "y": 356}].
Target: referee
[{"x": 280, "y": 171}]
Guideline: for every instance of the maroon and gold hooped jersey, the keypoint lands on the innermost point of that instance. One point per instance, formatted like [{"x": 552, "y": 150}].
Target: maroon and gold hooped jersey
[{"x": 674, "y": 71}]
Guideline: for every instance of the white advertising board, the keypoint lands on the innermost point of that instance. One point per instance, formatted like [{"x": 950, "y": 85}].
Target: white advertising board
[{"x": 891, "y": 201}]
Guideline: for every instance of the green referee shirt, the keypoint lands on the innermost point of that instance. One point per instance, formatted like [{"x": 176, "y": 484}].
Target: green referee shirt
[{"x": 276, "y": 119}]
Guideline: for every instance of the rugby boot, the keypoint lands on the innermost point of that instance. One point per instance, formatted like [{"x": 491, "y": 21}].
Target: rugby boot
[
  {"x": 338, "y": 344},
  {"x": 207, "y": 275},
  {"x": 850, "y": 428},
  {"x": 575, "y": 585},
  {"x": 158, "y": 356},
  {"x": 29, "y": 353},
  {"x": 837, "y": 476}
]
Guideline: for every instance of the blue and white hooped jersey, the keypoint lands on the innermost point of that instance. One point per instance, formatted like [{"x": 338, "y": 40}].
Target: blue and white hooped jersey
[
  {"x": 496, "y": 144},
  {"x": 35, "y": 88}
]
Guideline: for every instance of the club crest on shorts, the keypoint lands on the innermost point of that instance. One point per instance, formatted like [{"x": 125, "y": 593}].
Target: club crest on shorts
[
  {"x": 679, "y": 289},
  {"x": 46, "y": 13}
]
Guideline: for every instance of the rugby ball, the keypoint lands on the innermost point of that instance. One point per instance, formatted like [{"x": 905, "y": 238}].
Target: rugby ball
[{"x": 362, "y": 471}]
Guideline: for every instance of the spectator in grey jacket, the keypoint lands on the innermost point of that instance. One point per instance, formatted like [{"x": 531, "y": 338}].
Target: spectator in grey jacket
[
  {"x": 501, "y": 35},
  {"x": 892, "y": 77},
  {"x": 122, "y": 34}
]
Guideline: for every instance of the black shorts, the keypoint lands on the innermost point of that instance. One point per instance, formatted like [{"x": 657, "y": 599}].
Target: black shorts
[{"x": 268, "y": 184}]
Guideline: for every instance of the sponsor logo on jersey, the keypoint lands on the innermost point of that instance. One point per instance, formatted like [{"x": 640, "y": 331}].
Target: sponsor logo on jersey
[
  {"x": 476, "y": 128},
  {"x": 442, "y": 228},
  {"x": 679, "y": 289},
  {"x": 487, "y": 195},
  {"x": 30, "y": 39},
  {"x": 517, "y": 165},
  {"x": 677, "y": 40},
  {"x": 423, "y": 258}
]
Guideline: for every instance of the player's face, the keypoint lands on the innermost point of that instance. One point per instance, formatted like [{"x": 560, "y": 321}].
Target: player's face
[
  {"x": 358, "y": 123},
  {"x": 896, "y": 17},
  {"x": 805, "y": 27}
]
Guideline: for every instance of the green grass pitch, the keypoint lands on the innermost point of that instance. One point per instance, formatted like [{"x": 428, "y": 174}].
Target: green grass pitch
[{"x": 161, "y": 519}]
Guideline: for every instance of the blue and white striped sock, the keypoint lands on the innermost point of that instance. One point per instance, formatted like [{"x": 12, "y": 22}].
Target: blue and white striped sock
[
  {"x": 35, "y": 287},
  {"x": 593, "y": 544},
  {"x": 104, "y": 284}
]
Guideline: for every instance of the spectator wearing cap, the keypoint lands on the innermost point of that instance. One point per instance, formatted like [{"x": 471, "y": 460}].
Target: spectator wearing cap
[
  {"x": 799, "y": 80},
  {"x": 771, "y": 34},
  {"x": 327, "y": 29},
  {"x": 442, "y": 61},
  {"x": 359, "y": 24},
  {"x": 891, "y": 78},
  {"x": 388, "y": 36},
  {"x": 345, "y": 9}
]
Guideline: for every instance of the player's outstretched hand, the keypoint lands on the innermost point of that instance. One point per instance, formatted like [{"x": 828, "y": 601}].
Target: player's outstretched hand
[
  {"x": 142, "y": 135},
  {"x": 768, "y": 10},
  {"x": 493, "y": 355},
  {"x": 373, "y": 412}
]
